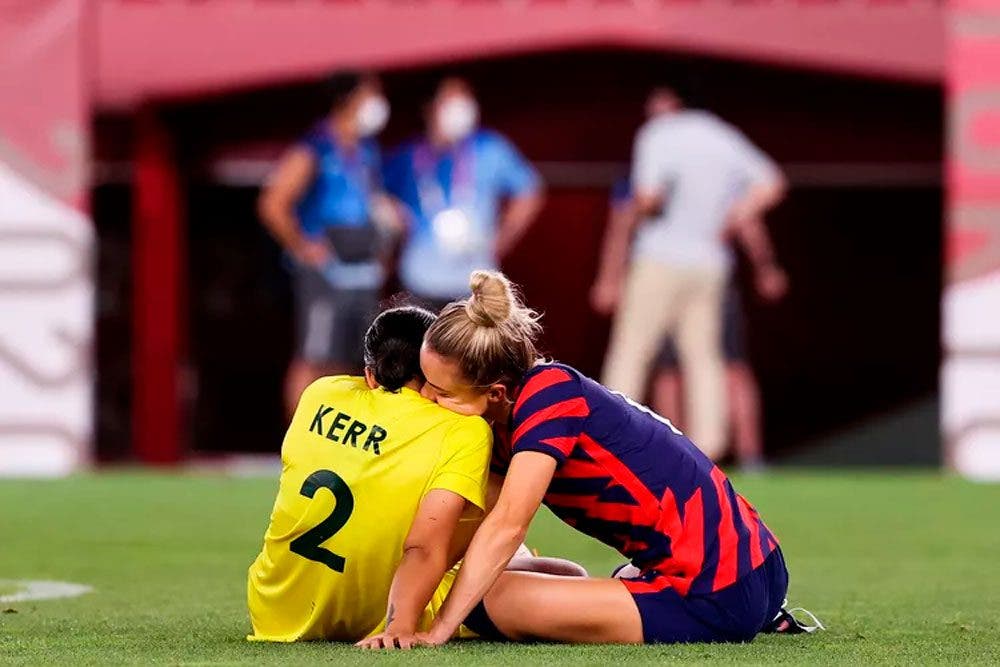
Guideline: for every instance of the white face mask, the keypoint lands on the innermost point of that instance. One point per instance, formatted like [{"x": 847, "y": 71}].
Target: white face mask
[
  {"x": 457, "y": 118},
  {"x": 372, "y": 115}
]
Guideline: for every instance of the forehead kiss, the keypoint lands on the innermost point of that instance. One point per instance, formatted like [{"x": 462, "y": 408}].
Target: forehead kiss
[
  {"x": 446, "y": 385},
  {"x": 478, "y": 349},
  {"x": 441, "y": 374}
]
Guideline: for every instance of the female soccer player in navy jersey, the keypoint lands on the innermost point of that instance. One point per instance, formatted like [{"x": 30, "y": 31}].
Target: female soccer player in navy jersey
[{"x": 706, "y": 566}]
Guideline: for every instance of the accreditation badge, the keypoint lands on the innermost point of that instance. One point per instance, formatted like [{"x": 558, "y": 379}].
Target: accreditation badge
[{"x": 453, "y": 231}]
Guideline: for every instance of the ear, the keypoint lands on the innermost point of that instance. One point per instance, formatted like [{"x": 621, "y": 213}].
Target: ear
[
  {"x": 497, "y": 393},
  {"x": 370, "y": 379}
]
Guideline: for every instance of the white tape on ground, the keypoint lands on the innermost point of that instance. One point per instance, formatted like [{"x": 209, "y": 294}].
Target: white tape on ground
[{"x": 41, "y": 590}]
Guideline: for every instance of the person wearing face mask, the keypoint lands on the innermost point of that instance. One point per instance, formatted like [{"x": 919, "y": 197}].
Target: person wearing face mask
[
  {"x": 468, "y": 193},
  {"x": 324, "y": 205}
]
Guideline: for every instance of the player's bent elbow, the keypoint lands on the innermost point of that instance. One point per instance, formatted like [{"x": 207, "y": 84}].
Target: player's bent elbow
[
  {"x": 428, "y": 555},
  {"x": 417, "y": 550},
  {"x": 508, "y": 533},
  {"x": 775, "y": 189},
  {"x": 520, "y": 534}
]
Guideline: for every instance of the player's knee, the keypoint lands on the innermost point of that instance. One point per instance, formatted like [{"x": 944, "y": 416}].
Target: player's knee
[{"x": 506, "y": 609}]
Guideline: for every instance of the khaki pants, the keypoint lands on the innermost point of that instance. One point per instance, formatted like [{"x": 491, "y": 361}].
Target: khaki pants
[{"x": 662, "y": 300}]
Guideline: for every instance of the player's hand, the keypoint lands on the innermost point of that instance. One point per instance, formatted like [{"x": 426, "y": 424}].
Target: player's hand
[
  {"x": 605, "y": 295},
  {"x": 772, "y": 283},
  {"x": 434, "y": 637},
  {"x": 313, "y": 253},
  {"x": 391, "y": 640}
]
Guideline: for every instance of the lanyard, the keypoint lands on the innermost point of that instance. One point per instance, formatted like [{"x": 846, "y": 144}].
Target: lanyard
[{"x": 462, "y": 190}]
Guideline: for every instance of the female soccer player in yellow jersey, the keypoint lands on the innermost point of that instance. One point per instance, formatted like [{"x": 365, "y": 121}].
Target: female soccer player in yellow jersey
[{"x": 375, "y": 483}]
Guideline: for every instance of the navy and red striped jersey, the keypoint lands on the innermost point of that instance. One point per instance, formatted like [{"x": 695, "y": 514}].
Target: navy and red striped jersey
[{"x": 628, "y": 478}]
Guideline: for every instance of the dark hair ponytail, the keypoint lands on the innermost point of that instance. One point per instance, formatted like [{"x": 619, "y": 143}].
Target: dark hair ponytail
[{"x": 392, "y": 345}]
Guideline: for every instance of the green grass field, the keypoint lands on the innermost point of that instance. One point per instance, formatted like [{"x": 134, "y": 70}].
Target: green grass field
[{"x": 902, "y": 567}]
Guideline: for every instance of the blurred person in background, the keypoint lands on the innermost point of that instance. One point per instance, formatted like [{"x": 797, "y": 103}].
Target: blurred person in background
[
  {"x": 324, "y": 205},
  {"x": 453, "y": 184},
  {"x": 742, "y": 389},
  {"x": 696, "y": 180}
]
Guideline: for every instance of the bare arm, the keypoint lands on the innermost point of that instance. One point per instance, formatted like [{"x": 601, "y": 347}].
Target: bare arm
[
  {"x": 622, "y": 220},
  {"x": 523, "y": 560},
  {"x": 494, "y": 484},
  {"x": 648, "y": 204},
  {"x": 752, "y": 236},
  {"x": 426, "y": 558},
  {"x": 276, "y": 206},
  {"x": 767, "y": 188},
  {"x": 760, "y": 197},
  {"x": 467, "y": 526},
  {"x": 521, "y": 211},
  {"x": 501, "y": 533}
]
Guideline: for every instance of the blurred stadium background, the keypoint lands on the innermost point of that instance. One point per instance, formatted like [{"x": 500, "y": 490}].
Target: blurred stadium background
[{"x": 138, "y": 289}]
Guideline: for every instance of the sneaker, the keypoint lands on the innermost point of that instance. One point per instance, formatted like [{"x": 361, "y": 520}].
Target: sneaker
[
  {"x": 626, "y": 571},
  {"x": 785, "y": 622}
]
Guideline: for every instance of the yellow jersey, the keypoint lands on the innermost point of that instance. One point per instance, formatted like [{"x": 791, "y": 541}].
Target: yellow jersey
[{"x": 356, "y": 464}]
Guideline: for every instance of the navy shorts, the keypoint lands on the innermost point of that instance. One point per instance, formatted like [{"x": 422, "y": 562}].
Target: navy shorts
[
  {"x": 737, "y": 613},
  {"x": 734, "y": 614},
  {"x": 734, "y": 346},
  {"x": 479, "y": 621}
]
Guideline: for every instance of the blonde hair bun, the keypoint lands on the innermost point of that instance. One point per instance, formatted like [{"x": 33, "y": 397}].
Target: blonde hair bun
[
  {"x": 492, "y": 298},
  {"x": 491, "y": 334}
]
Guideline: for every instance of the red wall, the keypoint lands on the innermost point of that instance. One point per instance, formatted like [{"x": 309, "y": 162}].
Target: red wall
[{"x": 155, "y": 48}]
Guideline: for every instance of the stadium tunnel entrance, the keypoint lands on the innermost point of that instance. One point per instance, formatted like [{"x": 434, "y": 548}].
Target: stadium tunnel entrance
[{"x": 848, "y": 363}]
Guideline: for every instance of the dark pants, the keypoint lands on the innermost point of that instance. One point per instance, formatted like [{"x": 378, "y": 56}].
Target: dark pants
[{"x": 331, "y": 322}]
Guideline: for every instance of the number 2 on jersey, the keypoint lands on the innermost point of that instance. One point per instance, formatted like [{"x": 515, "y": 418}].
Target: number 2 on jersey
[{"x": 307, "y": 544}]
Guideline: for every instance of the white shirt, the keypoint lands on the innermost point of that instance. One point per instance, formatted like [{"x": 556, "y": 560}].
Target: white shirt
[{"x": 700, "y": 165}]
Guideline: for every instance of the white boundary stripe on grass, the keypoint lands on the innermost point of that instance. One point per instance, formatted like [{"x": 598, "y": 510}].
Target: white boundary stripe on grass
[{"x": 41, "y": 590}]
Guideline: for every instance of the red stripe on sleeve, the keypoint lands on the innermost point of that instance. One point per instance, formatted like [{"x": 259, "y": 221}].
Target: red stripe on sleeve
[
  {"x": 543, "y": 380},
  {"x": 751, "y": 521},
  {"x": 582, "y": 468},
  {"x": 564, "y": 445},
  {"x": 725, "y": 573},
  {"x": 574, "y": 407}
]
